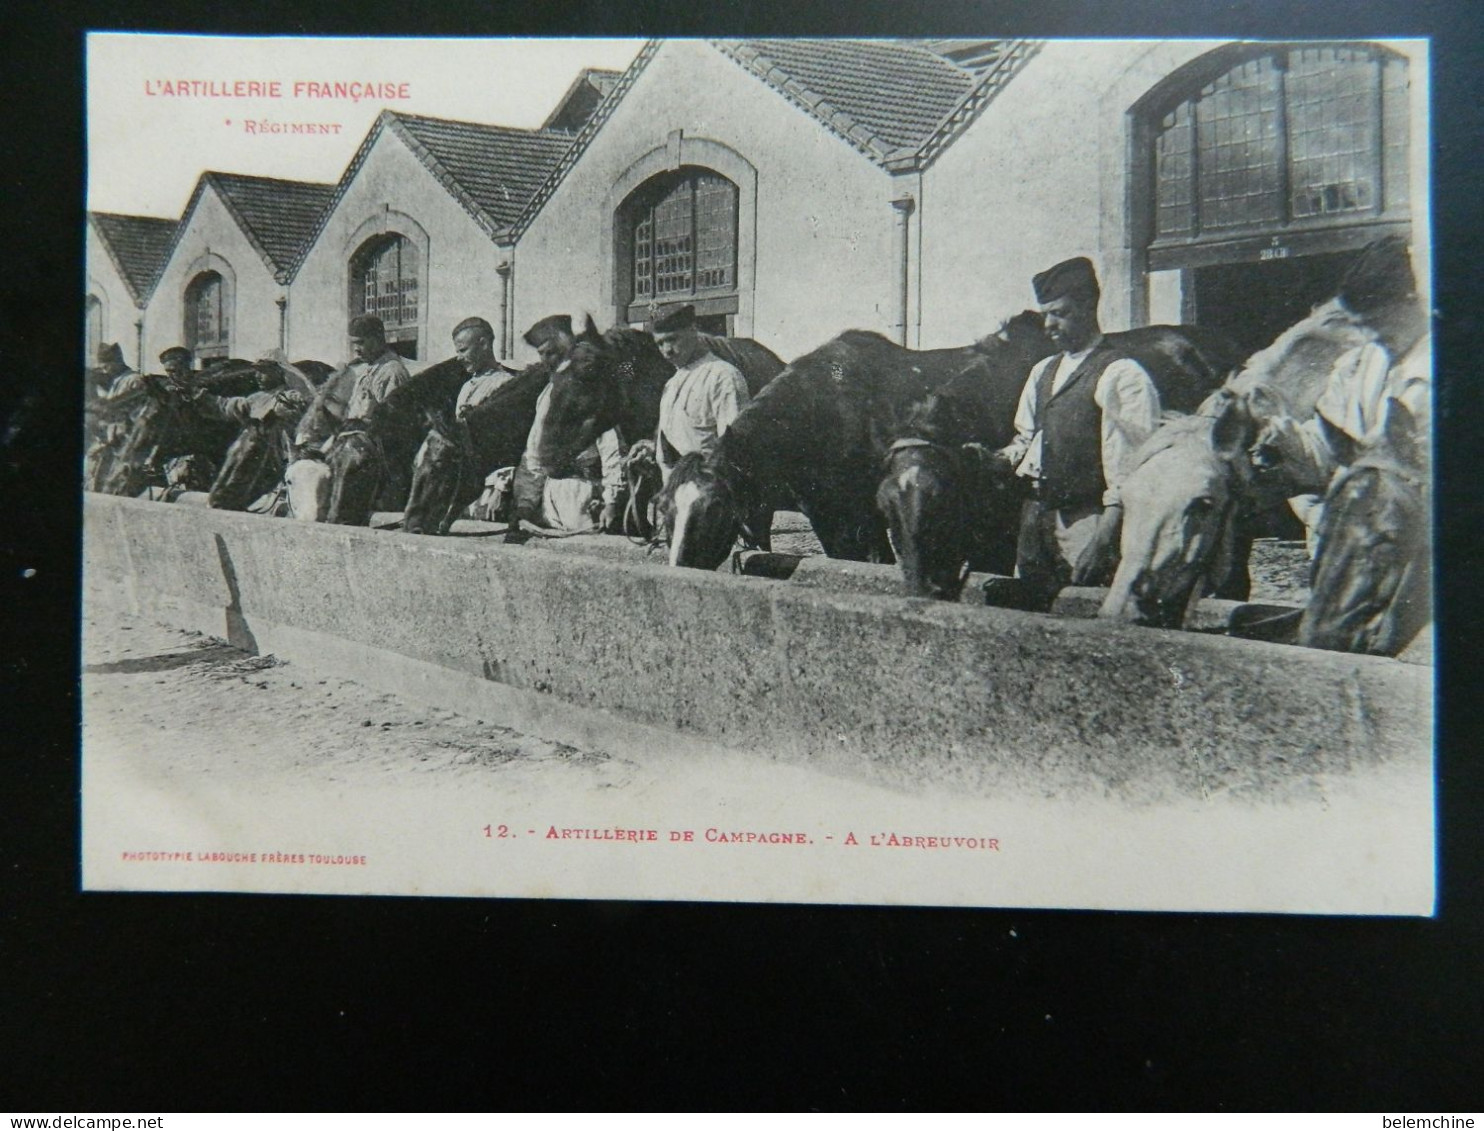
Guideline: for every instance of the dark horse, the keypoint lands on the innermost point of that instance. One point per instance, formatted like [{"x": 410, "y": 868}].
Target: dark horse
[
  {"x": 166, "y": 426},
  {"x": 814, "y": 440},
  {"x": 948, "y": 511},
  {"x": 1371, "y": 585},
  {"x": 615, "y": 381},
  {"x": 255, "y": 463},
  {"x": 370, "y": 460},
  {"x": 449, "y": 468}
]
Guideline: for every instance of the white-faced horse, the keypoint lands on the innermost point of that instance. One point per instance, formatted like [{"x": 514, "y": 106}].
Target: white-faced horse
[{"x": 1190, "y": 498}]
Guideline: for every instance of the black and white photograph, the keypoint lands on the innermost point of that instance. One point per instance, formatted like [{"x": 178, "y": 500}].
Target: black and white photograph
[{"x": 929, "y": 472}]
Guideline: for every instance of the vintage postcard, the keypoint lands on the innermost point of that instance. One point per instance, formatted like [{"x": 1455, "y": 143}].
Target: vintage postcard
[{"x": 896, "y": 471}]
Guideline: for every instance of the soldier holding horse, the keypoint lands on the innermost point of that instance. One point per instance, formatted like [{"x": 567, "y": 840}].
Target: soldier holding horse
[{"x": 1081, "y": 413}]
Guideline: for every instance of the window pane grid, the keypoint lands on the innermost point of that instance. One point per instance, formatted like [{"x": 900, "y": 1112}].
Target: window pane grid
[
  {"x": 674, "y": 219},
  {"x": 206, "y": 318},
  {"x": 685, "y": 238},
  {"x": 643, "y": 263},
  {"x": 387, "y": 286},
  {"x": 1296, "y": 135},
  {"x": 716, "y": 227},
  {"x": 1332, "y": 115},
  {"x": 1237, "y": 130},
  {"x": 1174, "y": 174}
]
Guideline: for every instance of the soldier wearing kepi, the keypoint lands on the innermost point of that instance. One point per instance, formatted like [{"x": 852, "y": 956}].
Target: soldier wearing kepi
[
  {"x": 701, "y": 400},
  {"x": 1081, "y": 414}
]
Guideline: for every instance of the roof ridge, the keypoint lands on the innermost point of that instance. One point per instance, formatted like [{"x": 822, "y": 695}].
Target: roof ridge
[
  {"x": 533, "y": 131},
  {"x": 440, "y": 173},
  {"x": 274, "y": 180},
  {"x": 235, "y": 211},
  {"x": 812, "y": 102},
  {"x": 986, "y": 87},
  {"x": 584, "y": 136}
]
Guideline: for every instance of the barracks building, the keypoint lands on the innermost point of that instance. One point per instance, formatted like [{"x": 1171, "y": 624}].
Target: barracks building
[{"x": 792, "y": 189}]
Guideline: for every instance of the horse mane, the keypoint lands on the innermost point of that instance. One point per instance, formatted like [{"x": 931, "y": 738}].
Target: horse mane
[
  {"x": 1327, "y": 322},
  {"x": 1174, "y": 429}
]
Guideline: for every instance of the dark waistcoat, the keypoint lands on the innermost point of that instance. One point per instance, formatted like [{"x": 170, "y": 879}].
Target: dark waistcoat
[{"x": 1072, "y": 433}]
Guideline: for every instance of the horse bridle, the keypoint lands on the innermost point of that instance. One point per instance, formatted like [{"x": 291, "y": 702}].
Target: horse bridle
[{"x": 954, "y": 455}]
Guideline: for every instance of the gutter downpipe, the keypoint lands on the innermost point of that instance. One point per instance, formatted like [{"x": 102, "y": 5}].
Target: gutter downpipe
[{"x": 903, "y": 207}]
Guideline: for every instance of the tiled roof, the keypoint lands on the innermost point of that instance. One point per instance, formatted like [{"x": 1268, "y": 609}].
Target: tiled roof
[
  {"x": 901, "y": 103},
  {"x": 880, "y": 95},
  {"x": 138, "y": 247},
  {"x": 278, "y": 216},
  {"x": 499, "y": 167},
  {"x": 576, "y": 106},
  {"x": 492, "y": 171}
]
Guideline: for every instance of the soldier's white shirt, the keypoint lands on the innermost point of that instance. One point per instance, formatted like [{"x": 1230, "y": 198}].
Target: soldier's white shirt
[{"x": 698, "y": 406}]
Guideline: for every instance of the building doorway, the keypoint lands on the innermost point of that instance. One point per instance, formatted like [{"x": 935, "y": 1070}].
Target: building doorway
[{"x": 1252, "y": 303}]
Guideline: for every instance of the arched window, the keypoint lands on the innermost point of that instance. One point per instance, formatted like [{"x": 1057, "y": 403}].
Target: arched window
[
  {"x": 93, "y": 329},
  {"x": 207, "y": 317},
  {"x": 384, "y": 282},
  {"x": 1259, "y": 171},
  {"x": 1283, "y": 140},
  {"x": 678, "y": 243}
]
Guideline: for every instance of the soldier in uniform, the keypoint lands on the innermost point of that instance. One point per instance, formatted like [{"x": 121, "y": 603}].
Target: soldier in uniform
[
  {"x": 701, "y": 400},
  {"x": 1081, "y": 414}
]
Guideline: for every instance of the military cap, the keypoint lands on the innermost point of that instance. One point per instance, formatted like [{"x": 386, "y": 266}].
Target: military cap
[
  {"x": 1071, "y": 277},
  {"x": 548, "y": 328},
  {"x": 1381, "y": 275},
  {"x": 681, "y": 318},
  {"x": 367, "y": 326},
  {"x": 176, "y": 351},
  {"x": 110, "y": 353}
]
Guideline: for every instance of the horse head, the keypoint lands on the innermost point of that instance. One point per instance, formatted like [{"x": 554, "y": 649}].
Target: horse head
[
  {"x": 246, "y": 468},
  {"x": 443, "y": 478},
  {"x": 948, "y": 506},
  {"x": 615, "y": 380},
  {"x": 358, "y": 470},
  {"x": 699, "y": 511},
  {"x": 1297, "y": 364},
  {"x": 1371, "y": 585},
  {"x": 1179, "y": 503}
]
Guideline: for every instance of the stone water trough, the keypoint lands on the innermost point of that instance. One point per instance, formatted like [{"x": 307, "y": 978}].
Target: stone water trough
[{"x": 594, "y": 642}]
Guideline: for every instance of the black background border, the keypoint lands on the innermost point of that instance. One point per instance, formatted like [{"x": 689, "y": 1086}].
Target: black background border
[{"x": 161, "y": 1002}]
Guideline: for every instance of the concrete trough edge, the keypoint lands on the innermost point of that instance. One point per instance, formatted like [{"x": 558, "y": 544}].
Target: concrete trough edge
[{"x": 906, "y": 692}]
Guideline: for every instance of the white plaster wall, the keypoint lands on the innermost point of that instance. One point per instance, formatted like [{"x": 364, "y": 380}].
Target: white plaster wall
[
  {"x": 458, "y": 273},
  {"x": 823, "y": 240},
  {"x": 102, "y": 278},
  {"x": 1041, "y": 176},
  {"x": 212, "y": 232}
]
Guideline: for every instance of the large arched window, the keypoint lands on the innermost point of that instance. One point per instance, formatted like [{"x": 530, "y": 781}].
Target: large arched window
[
  {"x": 678, "y": 243},
  {"x": 384, "y": 282},
  {"x": 1259, "y": 171},
  {"x": 207, "y": 317},
  {"x": 1282, "y": 141}
]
